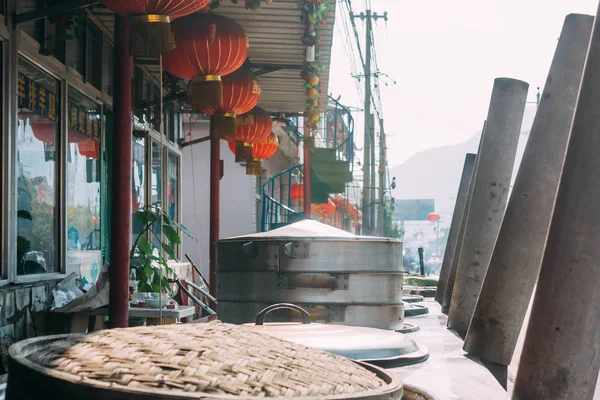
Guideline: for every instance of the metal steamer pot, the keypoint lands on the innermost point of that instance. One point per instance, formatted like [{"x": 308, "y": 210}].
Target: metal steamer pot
[{"x": 337, "y": 277}]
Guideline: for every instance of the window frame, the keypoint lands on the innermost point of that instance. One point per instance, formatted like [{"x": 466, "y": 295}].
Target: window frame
[
  {"x": 18, "y": 44},
  {"x": 60, "y": 170},
  {"x": 167, "y": 146}
]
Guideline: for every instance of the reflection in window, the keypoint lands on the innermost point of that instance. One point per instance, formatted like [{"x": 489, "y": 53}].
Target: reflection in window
[
  {"x": 156, "y": 187},
  {"x": 138, "y": 179},
  {"x": 39, "y": 111},
  {"x": 94, "y": 56},
  {"x": 172, "y": 185},
  {"x": 84, "y": 251},
  {"x": 108, "y": 67},
  {"x": 172, "y": 189}
]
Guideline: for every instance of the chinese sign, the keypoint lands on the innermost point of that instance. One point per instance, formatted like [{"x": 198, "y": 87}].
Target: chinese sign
[
  {"x": 83, "y": 121},
  {"x": 37, "y": 98},
  {"x": 45, "y": 103}
]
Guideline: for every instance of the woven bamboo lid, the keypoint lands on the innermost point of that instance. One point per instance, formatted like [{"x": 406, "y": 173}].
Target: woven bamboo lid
[{"x": 214, "y": 360}]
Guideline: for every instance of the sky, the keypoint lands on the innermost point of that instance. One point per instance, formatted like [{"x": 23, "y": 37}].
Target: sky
[{"x": 443, "y": 56}]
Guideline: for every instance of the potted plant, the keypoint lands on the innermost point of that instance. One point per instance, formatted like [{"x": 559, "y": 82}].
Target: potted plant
[{"x": 150, "y": 252}]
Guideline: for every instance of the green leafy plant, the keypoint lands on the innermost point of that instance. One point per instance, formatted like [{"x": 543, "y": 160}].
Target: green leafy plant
[
  {"x": 315, "y": 11},
  {"x": 151, "y": 267}
]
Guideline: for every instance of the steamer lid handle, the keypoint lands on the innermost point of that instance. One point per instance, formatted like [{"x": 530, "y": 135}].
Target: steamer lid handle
[{"x": 260, "y": 317}]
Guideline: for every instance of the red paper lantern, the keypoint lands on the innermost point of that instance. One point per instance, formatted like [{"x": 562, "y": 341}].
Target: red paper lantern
[
  {"x": 433, "y": 217},
  {"x": 89, "y": 148},
  {"x": 323, "y": 209},
  {"x": 207, "y": 47},
  {"x": 339, "y": 200},
  {"x": 262, "y": 150},
  {"x": 297, "y": 191},
  {"x": 251, "y": 127},
  {"x": 241, "y": 92},
  {"x": 150, "y": 20}
]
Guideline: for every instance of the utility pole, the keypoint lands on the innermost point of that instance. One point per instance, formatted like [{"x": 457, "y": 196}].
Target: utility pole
[
  {"x": 382, "y": 178},
  {"x": 368, "y": 195}
]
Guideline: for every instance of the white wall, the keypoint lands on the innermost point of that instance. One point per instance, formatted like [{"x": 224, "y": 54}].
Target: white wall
[{"x": 237, "y": 196}]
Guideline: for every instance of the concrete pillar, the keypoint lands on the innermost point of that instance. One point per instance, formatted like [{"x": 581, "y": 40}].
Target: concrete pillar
[
  {"x": 459, "y": 209},
  {"x": 447, "y": 298},
  {"x": 517, "y": 256},
  {"x": 490, "y": 194},
  {"x": 561, "y": 354}
]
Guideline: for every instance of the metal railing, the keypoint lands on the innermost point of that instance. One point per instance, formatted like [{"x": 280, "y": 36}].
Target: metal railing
[{"x": 278, "y": 207}]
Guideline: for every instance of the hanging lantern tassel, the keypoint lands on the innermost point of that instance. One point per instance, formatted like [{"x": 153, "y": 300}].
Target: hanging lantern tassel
[
  {"x": 151, "y": 35},
  {"x": 254, "y": 167},
  {"x": 223, "y": 126},
  {"x": 243, "y": 152},
  {"x": 207, "y": 91}
]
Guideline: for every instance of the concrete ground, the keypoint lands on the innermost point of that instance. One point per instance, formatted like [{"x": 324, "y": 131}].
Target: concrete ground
[{"x": 448, "y": 374}]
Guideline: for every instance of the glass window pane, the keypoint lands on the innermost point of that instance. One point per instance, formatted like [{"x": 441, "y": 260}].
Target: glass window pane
[
  {"x": 173, "y": 186},
  {"x": 156, "y": 186},
  {"x": 138, "y": 180},
  {"x": 39, "y": 111},
  {"x": 84, "y": 251},
  {"x": 173, "y": 189},
  {"x": 75, "y": 52},
  {"x": 94, "y": 56},
  {"x": 107, "y": 69}
]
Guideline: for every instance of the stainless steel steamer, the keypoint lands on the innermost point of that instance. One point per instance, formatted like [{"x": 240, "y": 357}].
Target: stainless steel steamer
[{"x": 337, "y": 277}]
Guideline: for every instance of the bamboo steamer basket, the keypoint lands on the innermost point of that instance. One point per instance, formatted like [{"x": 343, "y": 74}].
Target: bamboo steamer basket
[{"x": 187, "y": 361}]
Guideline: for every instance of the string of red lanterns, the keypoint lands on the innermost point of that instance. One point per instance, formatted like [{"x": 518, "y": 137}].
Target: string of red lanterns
[
  {"x": 240, "y": 95},
  {"x": 251, "y": 127},
  {"x": 261, "y": 150},
  {"x": 201, "y": 41}
]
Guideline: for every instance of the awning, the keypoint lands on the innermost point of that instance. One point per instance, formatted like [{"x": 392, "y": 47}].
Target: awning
[{"x": 276, "y": 50}]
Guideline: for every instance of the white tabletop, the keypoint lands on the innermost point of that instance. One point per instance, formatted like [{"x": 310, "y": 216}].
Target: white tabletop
[{"x": 181, "y": 312}]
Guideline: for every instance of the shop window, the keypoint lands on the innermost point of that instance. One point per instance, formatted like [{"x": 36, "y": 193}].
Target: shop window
[
  {"x": 94, "y": 56},
  {"x": 36, "y": 162},
  {"x": 76, "y": 46},
  {"x": 169, "y": 123},
  {"x": 173, "y": 186},
  {"x": 138, "y": 181},
  {"x": 84, "y": 248},
  {"x": 107, "y": 68},
  {"x": 156, "y": 187},
  {"x": 172, "y": 198}
]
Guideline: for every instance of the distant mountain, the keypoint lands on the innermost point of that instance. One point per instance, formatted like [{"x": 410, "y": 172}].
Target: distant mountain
[{"x": 434, "y": 174}]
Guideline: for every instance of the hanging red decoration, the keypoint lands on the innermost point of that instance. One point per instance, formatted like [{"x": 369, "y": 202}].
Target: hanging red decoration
[
  {"x": 339, "y": 200},
  {"x": 262, "y": 150},
  {"x": 76, "y": 137},
  {"x": 433, "y": 217},
  {"x": 354, "y": 213},
  {"x": 150, "y": 22},
  {"x": 43, "y": 130},
  {"x": 241, "y": 92},
  {"x": 207, "y": 47},
  {"x": 323, "y": 209},
  {"x": 297, "y": 191},
  {"x": 89, "y": 148},
  {"x": 251, "y": 127}
]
